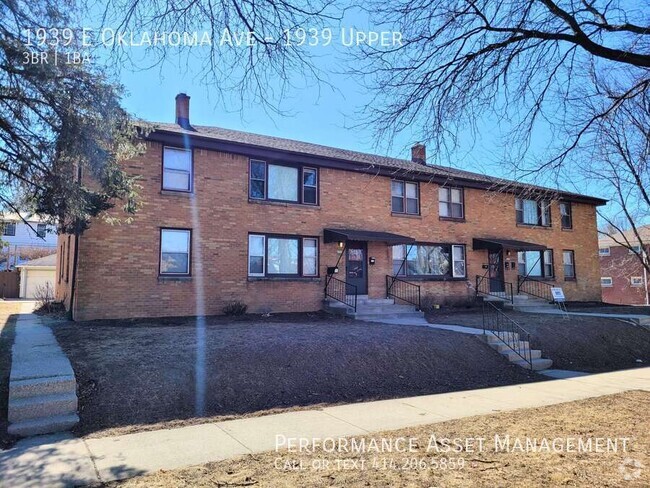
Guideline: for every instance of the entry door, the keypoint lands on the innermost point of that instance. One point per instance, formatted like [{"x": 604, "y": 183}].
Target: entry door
[
  {"x": 495, "y": 264},
  {"x": 356, "y": 266}
]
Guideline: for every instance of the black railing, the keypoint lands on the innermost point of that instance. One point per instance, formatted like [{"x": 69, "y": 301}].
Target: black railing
[
  {"x": 509, "y": 332},
  {"x": 403, "y": 290},
  {"x": 486, "y": 285},
  {"x": 341, "y": 291},
  {"x": 535, "y": 288}
]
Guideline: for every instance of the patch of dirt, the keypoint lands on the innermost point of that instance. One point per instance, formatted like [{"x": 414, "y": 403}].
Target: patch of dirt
[
  {"x": 590, "y": 344},
  {"x": 614, "y": 416},
  {"x": 134, "y": 374}
]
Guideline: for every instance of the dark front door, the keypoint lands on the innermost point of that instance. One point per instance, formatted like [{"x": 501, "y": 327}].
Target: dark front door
[
  {"x": 356, "y": 267},
  {"x": 495, "y": 264}
]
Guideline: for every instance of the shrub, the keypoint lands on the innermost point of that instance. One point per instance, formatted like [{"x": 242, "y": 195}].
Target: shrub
[
  {"x": 44, "y": 296},
  {"x": 235, "y": 308}
]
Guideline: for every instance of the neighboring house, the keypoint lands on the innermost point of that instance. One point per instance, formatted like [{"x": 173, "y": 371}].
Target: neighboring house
[
  {"x": 20, "y": 241},
  {"x": 623, "y": 278},
  {"x": 230, "y": 215},
  {"x": 37, "y": 277}
]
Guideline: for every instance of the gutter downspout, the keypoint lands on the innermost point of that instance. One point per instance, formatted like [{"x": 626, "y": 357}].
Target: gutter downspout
[
  {"x": 73, "y": 287},
  {"x": 645, "y": 277}
]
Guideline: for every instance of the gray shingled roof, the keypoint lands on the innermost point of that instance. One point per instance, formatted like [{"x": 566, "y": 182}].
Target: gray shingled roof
[
  {"x": 49, "y": 260},
  {"x": 365, "y": 159}
]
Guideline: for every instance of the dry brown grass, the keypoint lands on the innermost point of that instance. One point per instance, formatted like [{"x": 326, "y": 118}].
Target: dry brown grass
[{"x": 623, "y": 415}]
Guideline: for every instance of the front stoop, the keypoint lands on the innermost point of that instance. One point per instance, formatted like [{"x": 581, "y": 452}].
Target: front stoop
[
  {"x": 42, "y": 385},
  {"x": 372, "y": 309},
  {"x": 496, "y": 341}
]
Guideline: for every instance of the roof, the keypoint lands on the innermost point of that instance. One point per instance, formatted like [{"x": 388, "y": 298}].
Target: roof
[
  {"x": 626, "y": 236},
  {"x": 45, "y": 261},
  {"x": 234, "y": 139},
  {"x": 490, "y": 243},
  {"x": 336, "y": 235},
  {"x": 19, "y": 217}
]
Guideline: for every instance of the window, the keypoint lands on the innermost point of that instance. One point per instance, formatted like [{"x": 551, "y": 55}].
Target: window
[
  {"x": 565, "y": 213},
  {"x": 451, "y": 203},
  {"x": 568, "y": 260},
  {"x": 606, "y": 281},
  {"x": 9, "y": 229},
  {"x": 603, "y": 251},
  {"x": 177, "y": 169},
  {"x": 272, "y": 255},
  {"x": 404, "y": 197},
  {"x": 634, "y": 249},
  {"x": 283, "y": 183},
  {"x": 437, "y": 260},
  {"x": 636, "y": 280},
  {"x": 536, "y": 263},
  {"x": 175, "y": 251},
  {"x": 41, "y": 230},
  {"x": 532, "y": 212}
]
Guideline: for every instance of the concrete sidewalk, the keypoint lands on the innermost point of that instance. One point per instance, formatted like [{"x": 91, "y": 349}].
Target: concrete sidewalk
[{"x": 65, "y": 461}]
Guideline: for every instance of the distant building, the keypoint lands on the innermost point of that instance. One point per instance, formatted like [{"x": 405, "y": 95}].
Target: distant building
[
  {"x": 623, "y": 278},
  {"x": 24, "y": 237}
]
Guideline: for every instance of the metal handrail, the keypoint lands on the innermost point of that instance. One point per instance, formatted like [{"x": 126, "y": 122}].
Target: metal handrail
[
  {"x": 536, "y": 288},
  {"x": 509, "y": 332},
  {"x": 338, "y": 290},
  {"x": 483, "y": 286},
  {"x": 403, "y": 290}
]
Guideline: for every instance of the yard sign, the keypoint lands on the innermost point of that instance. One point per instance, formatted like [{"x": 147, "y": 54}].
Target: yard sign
[{"x": 558, "y": 294}]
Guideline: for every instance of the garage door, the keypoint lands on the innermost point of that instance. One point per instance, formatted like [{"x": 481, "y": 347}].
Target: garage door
[{"x": 38, "y": 277}]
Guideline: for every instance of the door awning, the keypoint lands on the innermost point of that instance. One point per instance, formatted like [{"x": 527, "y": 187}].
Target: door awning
[
  {"x": 497, "y": 244},
  {"x": 341, "y": 235}
]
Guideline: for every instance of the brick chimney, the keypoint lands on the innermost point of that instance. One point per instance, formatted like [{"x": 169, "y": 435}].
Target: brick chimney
[
  {"x": 183, "y": 111},
  {"x": 419, "y": 153}
]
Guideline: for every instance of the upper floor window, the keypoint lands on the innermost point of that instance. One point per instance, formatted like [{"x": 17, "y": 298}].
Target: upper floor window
[
  {"x": 451, "y": 203},
  {"x": 41, "y": 230},
  {"x": 536, "y": 263},
  {"x": 636, "y": 280},
  {"x": 603, "y": 251},
  {"x": 566, "y": 214},
  {"x": 635, "y": 249},
  {"x": 533, "y": 212},
  {"x": 283, "y": 183},
  {"x": 568, "y": 258},
  {"x": 274, "y": 255},
  {"x": 606, "y": 281},
  {"x": 9, "y": 228},
  {"x": 177, "y": 169},
  {"x": 175, "y": 250},
  {"x": 424, "y": 260},
  {"x": 405, "y": 197}
]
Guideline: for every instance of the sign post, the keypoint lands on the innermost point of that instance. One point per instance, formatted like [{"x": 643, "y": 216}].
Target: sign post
[{"x": 560, "y": 300}]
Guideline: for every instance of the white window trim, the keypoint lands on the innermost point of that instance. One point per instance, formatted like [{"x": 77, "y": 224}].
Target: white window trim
[
  {"x": 608, "y": 285},
  {"x": 638, "y": 278},
  {"x": 636, "y": 249},
  {"x": 303, "y": 256},
  {"x": 604, "y": 251},
  {"x": 250, "y": 273},
  {"x": 453, "y": 261},
  {"x": 181, "y": 171}
]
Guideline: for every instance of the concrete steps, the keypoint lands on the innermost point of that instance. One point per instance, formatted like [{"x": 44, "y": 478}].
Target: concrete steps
[
  {"x": 371, "y": 309},
  {"x": 58, "y": 423},
  {"x": 42, "y": 406},
  {"x": 509, "y": 345}
]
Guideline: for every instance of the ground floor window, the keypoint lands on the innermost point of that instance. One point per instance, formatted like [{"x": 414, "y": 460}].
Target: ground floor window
[
  {"x": 175, "y": 249},
  {"x": 278, "y": 255},
  {"x": 432, "y": 260},
  {"x": 536, "y": 263},
  {"x": 568, "y": 259}
]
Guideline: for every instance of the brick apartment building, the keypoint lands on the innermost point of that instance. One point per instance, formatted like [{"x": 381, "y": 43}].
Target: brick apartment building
[
  {"x": 623, "y": 277},
  {"x": 272, "y": 222}
]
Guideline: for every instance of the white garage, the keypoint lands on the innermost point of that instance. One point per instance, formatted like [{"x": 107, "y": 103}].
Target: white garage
[{"x": 37, "y": 274}]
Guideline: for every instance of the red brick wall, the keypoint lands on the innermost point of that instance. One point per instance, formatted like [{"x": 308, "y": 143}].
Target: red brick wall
[
  {"x": 621, "y": 265},
  {"x": 118, "y": 265}
]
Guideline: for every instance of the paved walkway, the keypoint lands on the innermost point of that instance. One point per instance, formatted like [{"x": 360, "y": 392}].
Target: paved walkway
[
  {"x": 637, "y": 318},
  {"x": 63, "y": 460}
]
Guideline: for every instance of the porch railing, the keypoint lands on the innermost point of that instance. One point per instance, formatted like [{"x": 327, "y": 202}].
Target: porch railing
[
  {"x": 403, "y": 290},
  {"x": 509, "y": 332},
  {"x": 341, "y": 291},
  {"x": 536, "y": 288},
  {"x": 484, "y": 285}
]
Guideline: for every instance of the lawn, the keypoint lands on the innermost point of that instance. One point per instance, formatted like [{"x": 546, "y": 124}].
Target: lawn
[
  {"x": 590, "y": 344},
  {"x": 611, "y": 417},
  {"x": 134, "y": 374}
]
